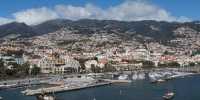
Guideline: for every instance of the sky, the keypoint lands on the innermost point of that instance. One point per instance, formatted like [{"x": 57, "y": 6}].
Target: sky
[{"x": 33, "y": 12}]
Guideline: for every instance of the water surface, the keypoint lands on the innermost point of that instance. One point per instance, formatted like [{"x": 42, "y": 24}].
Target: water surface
[{"x": 187, "y": 88}]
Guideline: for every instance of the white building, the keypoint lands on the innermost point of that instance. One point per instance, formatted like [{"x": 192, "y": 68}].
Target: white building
[{"x": 58, "y": 65}]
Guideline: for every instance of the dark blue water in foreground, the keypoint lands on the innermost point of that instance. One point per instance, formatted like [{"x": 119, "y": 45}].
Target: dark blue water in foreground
[{"x": 187, "y": 88}]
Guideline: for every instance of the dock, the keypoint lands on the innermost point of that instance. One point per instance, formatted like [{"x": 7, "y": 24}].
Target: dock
[
  {"x": 118, "y": 81},
  {"x": 57, "y": 89},
  {"x": 62, "y": 88}
]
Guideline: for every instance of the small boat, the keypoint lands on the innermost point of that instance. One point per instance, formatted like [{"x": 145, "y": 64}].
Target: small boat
[
  {"x": 123, "y": 77},
  {"x": 135, "y": 76},
  {"x": 160, "y": 80},
  {"x": 1, "y": 98},
  {"x": 45, "y": 97},
  {"x": 169, "y": 96},
  {"x": 141, "y": 76}
]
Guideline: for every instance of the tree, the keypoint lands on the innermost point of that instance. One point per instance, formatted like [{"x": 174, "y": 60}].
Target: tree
[
  {"x": 109, "y": 68},
  {"x": 2, "y": 69},
  {"x": 95, "y": 69},
  {"x": 148, "y": 64},
  {"x": 25, "y": 68},
  {"x": 192, "y": 64},
  {"x": 169, "y": 64},
  {"x": 35, "y": 70}
]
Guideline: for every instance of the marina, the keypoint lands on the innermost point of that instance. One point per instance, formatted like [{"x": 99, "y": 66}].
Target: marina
[
  {"x": 84, "y": 82},
  {"x": 136, "y": 90}
]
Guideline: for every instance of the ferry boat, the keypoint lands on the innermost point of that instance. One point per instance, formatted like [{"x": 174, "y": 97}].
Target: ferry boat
[{"x": 169, "y": 96}]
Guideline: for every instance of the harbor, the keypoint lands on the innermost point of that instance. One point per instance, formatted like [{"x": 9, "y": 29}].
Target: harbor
[
  {"x": 90, "y": 81},
  {"x": 186, "y": 88},
  {"x": 82, "y": 82}
]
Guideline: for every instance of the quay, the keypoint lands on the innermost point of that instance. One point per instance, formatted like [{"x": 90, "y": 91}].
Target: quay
[
  {"x": 118, "y": 81},
  {"x": 57, "y": 89},
  {"x": 63, "y": 88}
]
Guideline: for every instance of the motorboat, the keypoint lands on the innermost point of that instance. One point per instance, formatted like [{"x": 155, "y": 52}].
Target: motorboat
[
  {"x": 45, "y": 97},
  {"x": 141, "y": 76},
  {"x": 169, "y": 96},
  {"x": 135, "y": 76},
  {"x": 160, "y": 80},
  {"x": 123, "y": 77}
]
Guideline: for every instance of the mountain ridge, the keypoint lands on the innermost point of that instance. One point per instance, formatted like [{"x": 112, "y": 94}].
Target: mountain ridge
[{"x": 158, "y": 30}]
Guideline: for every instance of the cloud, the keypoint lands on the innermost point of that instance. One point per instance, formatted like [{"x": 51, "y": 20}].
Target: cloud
[
  {"x": 5, "y": 20},
  {"x": 129, "y": 10},
  {"x": 74, "y": 13},
  {"x": 35, "y": 16}
]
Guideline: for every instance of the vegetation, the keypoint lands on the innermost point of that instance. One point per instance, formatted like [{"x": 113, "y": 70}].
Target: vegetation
[
  {"x": 169, "y": 64},
  {"x": 95, "y": 69},
  {"x": 148, "y": 64},
  {"x": 35, "y": 70},
  {"x": 14, "y": 70},
  {"x": 109, "y": 68},
  {"x": 197, "y": 52}
]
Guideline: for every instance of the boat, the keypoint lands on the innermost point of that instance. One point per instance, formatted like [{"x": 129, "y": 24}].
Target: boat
[
  {"x": 1, "y": 98},
  {"x": 6, "y": 86},
  {"x": 45, "y": 97},
  {"x": 123, "y": 77},
  {"x": 141, "y": 76},
  {"x": 169, "y": 96},
  {"x": 160, "y": 80},
  {"x": 135, "y": 76}
]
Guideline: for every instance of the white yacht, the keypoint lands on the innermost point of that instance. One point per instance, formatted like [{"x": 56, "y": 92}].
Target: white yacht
[
  {"x": 135, "y": 76},
  {"x": 141, "y": 76},
  {"x": 123, "y": 77}
]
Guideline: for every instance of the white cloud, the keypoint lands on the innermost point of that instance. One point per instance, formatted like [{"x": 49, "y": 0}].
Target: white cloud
[
  {"x": 129, "y": 10},
  {"x": 5, "y": 20},
  {"x": 35, "y": 16},
  {"x": 138, "y": 10},
  {"x": 74, "y": 13}
]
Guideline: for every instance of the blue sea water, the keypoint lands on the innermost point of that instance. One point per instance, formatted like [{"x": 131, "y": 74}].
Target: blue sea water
[{"x": 187, "y": 88}]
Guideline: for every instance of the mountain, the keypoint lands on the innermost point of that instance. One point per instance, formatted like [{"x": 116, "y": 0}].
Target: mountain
[
  {"x": 16, "y": 28},
  {"x": 154, "y": 30}
]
